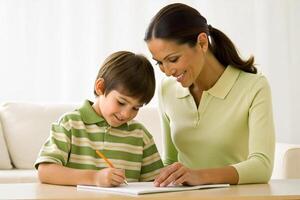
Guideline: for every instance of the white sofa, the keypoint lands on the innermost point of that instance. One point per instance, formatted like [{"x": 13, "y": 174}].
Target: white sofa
[{"x": 25, "y": 126}]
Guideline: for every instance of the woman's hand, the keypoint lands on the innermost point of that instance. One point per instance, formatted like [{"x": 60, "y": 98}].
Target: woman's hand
[
  {"x": 177, "y": 174},
  {"x": 109, "y": 177}
]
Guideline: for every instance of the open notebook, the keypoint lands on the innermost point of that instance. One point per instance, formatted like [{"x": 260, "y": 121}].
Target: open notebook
[{"x": 138, "y": 188}]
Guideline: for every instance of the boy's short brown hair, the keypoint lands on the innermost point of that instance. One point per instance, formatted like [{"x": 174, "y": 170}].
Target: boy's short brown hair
[{"x": 129, "y": 74}]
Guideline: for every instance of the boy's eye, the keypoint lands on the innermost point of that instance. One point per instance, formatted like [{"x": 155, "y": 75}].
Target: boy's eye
[
  {"x": 136, "y": 108},
  {"x": 121, "y": 103},
  {"x": 173, "y": 59}
]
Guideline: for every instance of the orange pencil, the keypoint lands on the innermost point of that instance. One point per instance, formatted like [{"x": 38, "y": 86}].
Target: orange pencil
[{"x": 107, "y": 161}]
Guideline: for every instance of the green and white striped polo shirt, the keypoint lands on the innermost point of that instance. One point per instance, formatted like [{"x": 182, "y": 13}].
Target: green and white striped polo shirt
[{"x": 74, "y": 139}]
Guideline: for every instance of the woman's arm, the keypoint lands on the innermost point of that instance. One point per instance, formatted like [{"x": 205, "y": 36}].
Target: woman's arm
[
  {"x": 169, "y": 150},
  {"x": 257, "y": 168},
  {"x": 179, "y": 174},
  {"x": 61, "y": 175}
]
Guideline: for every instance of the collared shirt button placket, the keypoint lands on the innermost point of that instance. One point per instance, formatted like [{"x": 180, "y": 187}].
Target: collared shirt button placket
[{"x": 106, "y": 132}]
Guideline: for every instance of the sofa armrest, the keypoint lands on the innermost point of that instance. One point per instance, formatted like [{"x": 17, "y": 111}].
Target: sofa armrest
[
  {"x": 26, "y": 127},
  {"x": 291, "y": 163},
  {"x": 282, "y": 162},
  {"x": 5, "y": 162}
]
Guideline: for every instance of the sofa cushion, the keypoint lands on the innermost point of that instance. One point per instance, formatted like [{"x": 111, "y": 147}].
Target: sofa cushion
[
  {"x": 149, "y": 117},
  {"x": 26, "y": 126},
  {"x": 5, "y": 160}
]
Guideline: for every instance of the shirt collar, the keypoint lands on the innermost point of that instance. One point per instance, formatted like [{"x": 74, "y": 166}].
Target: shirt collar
[
  {"x": 182, "y": 92},
  {"x": 89, "y": 115},
  {"x": 221, "y": 88}
]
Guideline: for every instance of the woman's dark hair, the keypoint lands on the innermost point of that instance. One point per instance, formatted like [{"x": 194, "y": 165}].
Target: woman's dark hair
[
  {"x": 129, "y": 74},
  {"x": 182, "y": 24}
]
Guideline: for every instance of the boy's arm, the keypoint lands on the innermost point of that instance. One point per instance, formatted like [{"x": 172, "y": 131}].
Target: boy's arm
[{"x": 61, "y": 175}]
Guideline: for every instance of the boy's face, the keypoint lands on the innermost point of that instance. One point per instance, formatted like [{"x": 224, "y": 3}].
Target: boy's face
[{"x": 117, "y": 108}]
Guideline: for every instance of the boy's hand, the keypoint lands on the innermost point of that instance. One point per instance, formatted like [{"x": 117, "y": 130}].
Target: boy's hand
[{"x": 109, "y": 177}]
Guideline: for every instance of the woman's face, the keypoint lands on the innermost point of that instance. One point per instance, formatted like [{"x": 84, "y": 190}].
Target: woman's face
[{"x": 181, "y": 61}]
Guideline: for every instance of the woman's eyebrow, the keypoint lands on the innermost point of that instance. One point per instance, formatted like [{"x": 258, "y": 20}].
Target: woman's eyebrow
[{"x": 171, "y": 54}]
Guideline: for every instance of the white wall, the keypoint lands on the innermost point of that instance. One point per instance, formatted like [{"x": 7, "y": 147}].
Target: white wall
[{"x": 50, "y": 50}]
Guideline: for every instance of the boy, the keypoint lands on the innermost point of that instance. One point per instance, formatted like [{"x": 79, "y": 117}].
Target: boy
[{"x": 124, "y": 83}]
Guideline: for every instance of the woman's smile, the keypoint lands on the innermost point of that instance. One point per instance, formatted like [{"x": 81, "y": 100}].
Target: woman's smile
[{"x": 180, "y": 77}]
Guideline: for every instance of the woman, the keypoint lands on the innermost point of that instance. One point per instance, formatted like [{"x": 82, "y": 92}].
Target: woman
[{"x": 216, "y": 109}]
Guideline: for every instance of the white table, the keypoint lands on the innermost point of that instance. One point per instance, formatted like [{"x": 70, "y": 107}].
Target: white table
[{"x": 276, "y": 189}]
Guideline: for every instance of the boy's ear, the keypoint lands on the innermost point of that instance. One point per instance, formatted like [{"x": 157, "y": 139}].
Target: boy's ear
[{"x": 99, "y": 86}]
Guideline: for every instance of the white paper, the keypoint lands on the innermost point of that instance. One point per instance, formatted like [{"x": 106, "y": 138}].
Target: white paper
[{"x": 137, "y": 188}]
